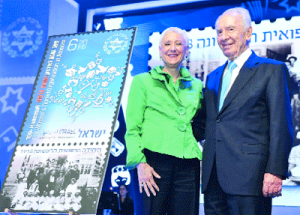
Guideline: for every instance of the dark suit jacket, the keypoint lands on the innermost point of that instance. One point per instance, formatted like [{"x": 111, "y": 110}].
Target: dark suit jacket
[{"x": 253, "y": 132}]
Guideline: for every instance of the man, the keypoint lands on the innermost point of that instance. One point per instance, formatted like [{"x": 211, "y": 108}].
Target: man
[{"x": 249, "y": 133}]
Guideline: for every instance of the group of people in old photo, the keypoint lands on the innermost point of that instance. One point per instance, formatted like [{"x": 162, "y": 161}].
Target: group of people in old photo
[{"x": 48, "y": 186}]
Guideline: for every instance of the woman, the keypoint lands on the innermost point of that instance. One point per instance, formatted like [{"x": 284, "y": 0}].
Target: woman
[
  {"x": 159, "y": 137},
  {"x": 126, "y": 203}
]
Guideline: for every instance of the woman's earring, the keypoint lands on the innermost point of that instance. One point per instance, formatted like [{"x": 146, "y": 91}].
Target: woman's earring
[{"x": 187, "y": 57}]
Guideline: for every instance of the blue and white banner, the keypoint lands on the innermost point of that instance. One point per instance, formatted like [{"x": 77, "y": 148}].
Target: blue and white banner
[
  {"x": 23, "y": 38},
  {"x": 63, "y": 145}
]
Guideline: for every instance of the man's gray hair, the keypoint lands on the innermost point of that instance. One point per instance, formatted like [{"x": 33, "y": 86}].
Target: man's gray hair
[
  {"x": 176, "y": 30},
  {"x": 244, "y": 13}
]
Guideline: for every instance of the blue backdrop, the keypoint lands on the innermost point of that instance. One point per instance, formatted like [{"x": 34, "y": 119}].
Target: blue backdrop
[
  {"x": 23, "y": 34},
  {"x": 24, "y": 26},
  {"x": 157, "y": 21}
]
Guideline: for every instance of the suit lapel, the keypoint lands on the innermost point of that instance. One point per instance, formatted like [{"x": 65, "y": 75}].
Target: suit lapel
[
  {"x": 245, "y": 74},
  {"x": 214, "y": 85}
]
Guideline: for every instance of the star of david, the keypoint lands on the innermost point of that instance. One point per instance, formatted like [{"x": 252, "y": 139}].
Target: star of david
[
  {"x": 5, "y": 98},
  {"x": 115, "y": 44},
  {"x": 22, "y": 38},
  {"x": 288, "y": 6}
]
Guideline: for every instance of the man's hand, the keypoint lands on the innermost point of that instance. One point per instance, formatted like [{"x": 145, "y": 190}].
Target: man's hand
[
  {"x": 146, "y": 181},
  {"x": 272, "y": 185}
]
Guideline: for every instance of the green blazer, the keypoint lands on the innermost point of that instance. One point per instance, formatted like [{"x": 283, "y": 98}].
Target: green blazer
[{"x": 159, "y": 115}]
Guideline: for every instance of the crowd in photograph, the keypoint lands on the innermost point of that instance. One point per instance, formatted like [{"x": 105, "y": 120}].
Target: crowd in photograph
[{"x": 49, "y": 186}]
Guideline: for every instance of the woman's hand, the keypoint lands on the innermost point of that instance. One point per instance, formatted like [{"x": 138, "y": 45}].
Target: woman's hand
[{"x": 146, "y": 181}]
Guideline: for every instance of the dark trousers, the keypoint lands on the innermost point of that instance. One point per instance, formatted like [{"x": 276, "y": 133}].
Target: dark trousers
[
  {"x": 216, "y": 201},
  {"x": 179, "y": 185}
]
